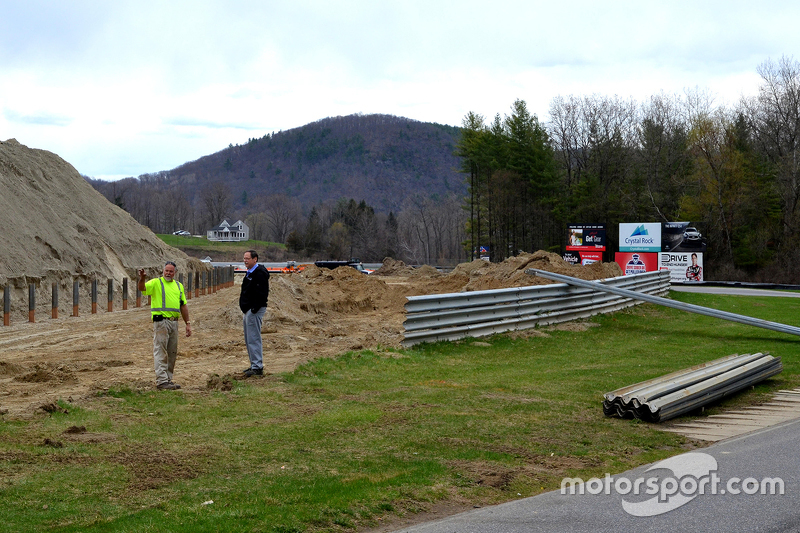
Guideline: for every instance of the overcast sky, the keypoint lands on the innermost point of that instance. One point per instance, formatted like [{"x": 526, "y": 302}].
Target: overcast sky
[{"x": 121, "y": 88}]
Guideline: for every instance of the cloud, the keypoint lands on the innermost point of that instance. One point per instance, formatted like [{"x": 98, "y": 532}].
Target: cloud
[{"x": 43, "y": 119}]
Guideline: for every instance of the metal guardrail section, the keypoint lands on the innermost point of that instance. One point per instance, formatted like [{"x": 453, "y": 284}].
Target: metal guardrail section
[
  {"x": 455, "y": 316},
  {"x": 733, "y": 317},
  {"x": 678, "y": 393}
]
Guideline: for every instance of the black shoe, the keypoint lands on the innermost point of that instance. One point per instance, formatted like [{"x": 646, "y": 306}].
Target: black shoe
[{"x": 253, "y": 372}]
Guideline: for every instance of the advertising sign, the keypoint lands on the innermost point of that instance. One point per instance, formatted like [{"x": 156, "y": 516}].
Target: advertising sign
[
  {"x": 682, "y": 237},
  {"x": 636, "y": 263},
  {"x": 582, "y": 257},
  {"x": 586, "y": 237},
  {"x": 684, "y": 267},
  {"x": 640, "y": 237}
]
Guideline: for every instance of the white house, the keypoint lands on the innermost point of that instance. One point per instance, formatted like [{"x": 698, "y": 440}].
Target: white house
[{"x": 238, "y": 231}]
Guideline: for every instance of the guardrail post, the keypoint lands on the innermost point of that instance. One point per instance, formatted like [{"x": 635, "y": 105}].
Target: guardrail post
[
  {"x": 94, "y": 296},
  {"x": 6, "y": 306},
  {"x": 188, "y": 287},
  {"x": 110, "y": 295},
  {"x": 138, "y": 296},
  {"x": 124, "y": 294},
  {"x": 55, "y": 300},
  {"x": 31, "y": 302},
  {"x": 75, "y": 297},
  {"x": 196, "y": 284}
]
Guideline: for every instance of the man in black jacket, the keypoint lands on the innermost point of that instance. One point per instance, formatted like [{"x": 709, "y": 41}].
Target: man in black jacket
[{"x": 253, "y": 303}]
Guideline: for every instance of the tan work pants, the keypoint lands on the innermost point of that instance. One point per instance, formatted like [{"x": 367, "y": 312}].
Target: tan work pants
[{"x": 165, "y": 349}]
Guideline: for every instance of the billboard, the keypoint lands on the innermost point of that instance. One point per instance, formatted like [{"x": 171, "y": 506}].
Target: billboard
[
  {"x": 684, "y": 267},
  {"x": 636, "y": 263},
  {"x": 682, "y": 237},
  {"x": 640, "y": 237},
  {"x": 590, "y": 237},
  {"x": 582, "y": 257}
]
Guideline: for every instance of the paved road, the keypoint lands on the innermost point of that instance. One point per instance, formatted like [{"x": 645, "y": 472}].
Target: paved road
[{"x": 758, "y": 457}]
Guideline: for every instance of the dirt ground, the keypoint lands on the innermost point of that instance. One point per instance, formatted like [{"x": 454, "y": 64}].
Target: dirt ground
[{"x": 316, "y": 313}]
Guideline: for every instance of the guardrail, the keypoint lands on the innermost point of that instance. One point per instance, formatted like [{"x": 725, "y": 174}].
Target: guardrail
[
  {"x": 455, "y": 316},
  {"x": 196, "y": 284},
  {"x": 672, "y": 395}
]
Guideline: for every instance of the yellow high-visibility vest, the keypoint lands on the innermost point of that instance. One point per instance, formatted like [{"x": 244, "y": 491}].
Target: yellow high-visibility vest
[{"x": 166, "y": 297}]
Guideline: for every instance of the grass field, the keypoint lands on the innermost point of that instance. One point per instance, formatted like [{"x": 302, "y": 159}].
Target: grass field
[
  {"x": 222, "y": 251},
  {"x": 347, "y": 443}
]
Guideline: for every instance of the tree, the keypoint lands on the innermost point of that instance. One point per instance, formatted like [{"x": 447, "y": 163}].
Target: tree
[{"x": 217, "y": 202}]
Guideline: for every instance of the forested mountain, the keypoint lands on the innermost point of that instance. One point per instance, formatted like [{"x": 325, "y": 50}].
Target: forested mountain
[
  {"x": 393, "y": 184},
  {"x": 381, "y": 159}
]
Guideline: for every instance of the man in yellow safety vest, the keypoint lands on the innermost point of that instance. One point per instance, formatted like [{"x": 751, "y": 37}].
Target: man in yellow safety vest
[{"x": 167, "y": 303}]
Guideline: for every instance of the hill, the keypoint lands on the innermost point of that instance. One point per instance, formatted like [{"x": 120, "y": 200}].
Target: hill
[
  {"x": 381, "y": 159},
  {"x": 59, "y": 229}
]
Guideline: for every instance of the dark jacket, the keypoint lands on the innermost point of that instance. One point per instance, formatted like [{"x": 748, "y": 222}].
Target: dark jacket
[{"x": 255, "y": 290}]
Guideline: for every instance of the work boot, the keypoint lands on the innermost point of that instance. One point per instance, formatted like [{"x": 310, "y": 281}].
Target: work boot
[{"x": 168, "y": 386}]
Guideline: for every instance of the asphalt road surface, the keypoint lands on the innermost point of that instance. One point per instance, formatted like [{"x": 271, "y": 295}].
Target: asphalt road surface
[{"x": 766, "y": 459}]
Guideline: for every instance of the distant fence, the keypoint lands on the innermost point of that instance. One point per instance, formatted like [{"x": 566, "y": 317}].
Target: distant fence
[
  {"x": 453, "y": 316},
  {"x": 196, "y": 284}
]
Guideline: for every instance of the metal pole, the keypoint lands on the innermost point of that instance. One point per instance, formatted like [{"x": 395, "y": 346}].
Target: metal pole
[
  {"x": 6, "y": 306},
  {"x": 124, "y": 294},
  {"x": 75, "y": 297},
  {"x": 691, "y": 308},
  {"x": 189, "y": 286},
  {"x": 31, "y": 302},
  {"x": 196, "y": 284},
  {"x": 94, "y": 296},
  {"x": 110, "y": 295},
  {"x": 55, "y": 300}
]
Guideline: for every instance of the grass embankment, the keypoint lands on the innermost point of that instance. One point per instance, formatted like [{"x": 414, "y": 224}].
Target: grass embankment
[
  {"x": 218, "y": 251},
  {"x": 343, "y": 443}
]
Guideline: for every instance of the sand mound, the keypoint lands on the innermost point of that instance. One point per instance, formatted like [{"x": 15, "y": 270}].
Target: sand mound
[{"x": 59, "y": 229}]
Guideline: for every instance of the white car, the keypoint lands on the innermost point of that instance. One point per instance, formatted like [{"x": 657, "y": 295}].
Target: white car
[
  {"x": 182, "y": 233},
  {"x": 691, "y": 234}
]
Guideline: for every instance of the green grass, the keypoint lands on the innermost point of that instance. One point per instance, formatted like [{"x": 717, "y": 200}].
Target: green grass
[
  {"x": 202, "y": 245},
  {"x": 342, "y": 442}
]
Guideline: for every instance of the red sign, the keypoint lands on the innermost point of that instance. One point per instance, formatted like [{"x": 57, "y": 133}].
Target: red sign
[{"x": 636, "y": 262}]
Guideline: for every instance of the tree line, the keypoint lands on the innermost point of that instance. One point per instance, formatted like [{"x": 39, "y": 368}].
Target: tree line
[
  {"x": 429, "y": 229},
  {"x": 732, "y": 170}
]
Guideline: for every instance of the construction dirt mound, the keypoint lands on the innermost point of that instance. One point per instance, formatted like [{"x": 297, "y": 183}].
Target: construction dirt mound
[
  {"x": 312, "y": 314},
  {"x": 58, "y": 229}
]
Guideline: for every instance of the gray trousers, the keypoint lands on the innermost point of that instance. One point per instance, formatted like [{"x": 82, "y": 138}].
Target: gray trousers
[
  {"x": 252, "y": 336},
  {"x": 165, "y": 349}
]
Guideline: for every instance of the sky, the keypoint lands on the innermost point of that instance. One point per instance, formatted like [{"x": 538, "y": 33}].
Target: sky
[{"x": 123, "y": 88}]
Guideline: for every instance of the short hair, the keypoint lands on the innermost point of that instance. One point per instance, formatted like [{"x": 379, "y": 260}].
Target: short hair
[
  {"x": 694, "y": 254},
  {"x": 171, "y": 263},
  {"x": 253, "y": 254}
]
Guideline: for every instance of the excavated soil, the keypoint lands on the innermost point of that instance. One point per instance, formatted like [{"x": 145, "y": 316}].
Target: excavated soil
[{"x": 312, "y": 314}]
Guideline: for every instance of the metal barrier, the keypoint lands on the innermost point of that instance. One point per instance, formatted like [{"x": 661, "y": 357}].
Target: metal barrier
[
  {"x": 455, "y": 316},
  {"x": 683, "y": 391}
]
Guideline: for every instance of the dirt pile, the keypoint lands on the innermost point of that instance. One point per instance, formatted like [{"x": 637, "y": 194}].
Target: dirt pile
[
  {"x": 312, "y": 314},
  {"x": 57, "y": 228}
]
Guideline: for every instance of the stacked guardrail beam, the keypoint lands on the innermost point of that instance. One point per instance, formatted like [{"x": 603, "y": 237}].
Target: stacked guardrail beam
[{"x": 683, "y": 391}]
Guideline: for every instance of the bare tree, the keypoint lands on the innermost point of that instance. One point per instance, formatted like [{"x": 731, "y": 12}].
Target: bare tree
[
  {"x": 282, "y": 215},
  {"x": 217, "y": 202}
]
